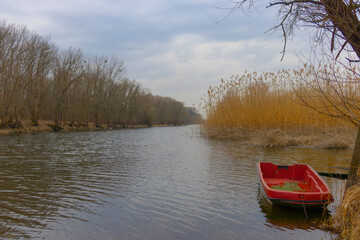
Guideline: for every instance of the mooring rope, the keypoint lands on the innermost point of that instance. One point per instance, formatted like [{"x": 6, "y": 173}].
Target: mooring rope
[{"x": 302, "y": 199}]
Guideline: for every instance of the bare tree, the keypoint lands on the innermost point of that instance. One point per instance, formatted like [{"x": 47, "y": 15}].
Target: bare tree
[
  {"x": 337, "y": 26},
  {"x": 40, "y": 57},
  {"x": 331, "y": 90},
  {"x": 24, "y": 64},
  {"x": 335, "y": 21},
  {"x": 169, "y": 111},
  {"x": 12, "y": 72},
  {"x": 38, "y": 81},
  {"x": 147, "y": 109},
  {"x": 67, "y": 70},
  {"x": 114, "y": 71}
]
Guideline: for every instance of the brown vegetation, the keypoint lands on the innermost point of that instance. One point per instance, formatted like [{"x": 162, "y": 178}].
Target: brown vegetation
[
  {"x": 346, "y": 221},
  {"x": 275, "y": 110},
  {"x": 48, "y": 126},
  {"x": 40, "y": 82}
]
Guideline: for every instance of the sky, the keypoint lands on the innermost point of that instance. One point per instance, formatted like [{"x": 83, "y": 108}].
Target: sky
[{"x": 175, "y": 48}]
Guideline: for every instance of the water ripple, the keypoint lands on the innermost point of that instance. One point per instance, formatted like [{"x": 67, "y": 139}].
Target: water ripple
[{"x": 159, "y": 183}]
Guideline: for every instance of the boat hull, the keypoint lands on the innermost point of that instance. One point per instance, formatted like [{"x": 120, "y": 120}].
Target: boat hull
[{"x": 296, "y": 185}]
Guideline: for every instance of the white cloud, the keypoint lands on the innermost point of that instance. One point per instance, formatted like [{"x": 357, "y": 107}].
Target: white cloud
[
  {"x": 188, "y": 64},
  {"x": 172, "y": 47}
]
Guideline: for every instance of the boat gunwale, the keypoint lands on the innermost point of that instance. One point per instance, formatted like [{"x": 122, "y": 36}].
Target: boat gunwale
[{"x": 294, "y": 200}]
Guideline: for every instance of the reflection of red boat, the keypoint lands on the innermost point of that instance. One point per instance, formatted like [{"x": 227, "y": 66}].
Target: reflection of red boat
[{"x": 297, "y": 185}]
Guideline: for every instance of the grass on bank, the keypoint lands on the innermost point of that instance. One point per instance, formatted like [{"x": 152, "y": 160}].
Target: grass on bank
[
  {"x": 346, "y": 220},
  {"x": 48, "y": 126},
  {"x": 273, "y": 110}
]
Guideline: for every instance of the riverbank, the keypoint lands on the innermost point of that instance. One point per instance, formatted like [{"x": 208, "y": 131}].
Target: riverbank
[
  {"x": 346, "y": 220},
  {"x": 47, "y": 126},
  {"x": 337, "y": 137},
  {"x": 276, "y": 110}
]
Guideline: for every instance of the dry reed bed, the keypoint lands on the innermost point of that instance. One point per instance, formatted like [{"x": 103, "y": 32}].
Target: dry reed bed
[
  {"x": 346, "y": 221},
  {"x": 278, "y": 110},
  {"x": 325, "y": 138}
]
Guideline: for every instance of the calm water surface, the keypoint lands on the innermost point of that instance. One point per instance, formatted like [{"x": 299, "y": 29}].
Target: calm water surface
[{"x": 156, "y": 183}]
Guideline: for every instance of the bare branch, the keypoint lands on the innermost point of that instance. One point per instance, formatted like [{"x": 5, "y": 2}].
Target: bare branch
[{"x": 351, "y": 60}]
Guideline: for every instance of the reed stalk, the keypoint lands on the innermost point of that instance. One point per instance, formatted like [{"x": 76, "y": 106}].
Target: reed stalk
[{"x": 277, "y": 110}]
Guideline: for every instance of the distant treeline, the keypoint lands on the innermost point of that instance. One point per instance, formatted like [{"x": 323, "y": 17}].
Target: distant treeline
[{"x": 38, "y": 81}]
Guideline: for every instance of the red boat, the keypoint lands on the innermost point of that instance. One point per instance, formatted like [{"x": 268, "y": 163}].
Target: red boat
[{"x": 296, "y": 185}]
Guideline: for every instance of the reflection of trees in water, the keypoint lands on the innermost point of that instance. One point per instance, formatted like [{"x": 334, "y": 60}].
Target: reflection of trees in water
[
  {"x": 281, "y": 218},
  {"x": 48, "y": 177}
]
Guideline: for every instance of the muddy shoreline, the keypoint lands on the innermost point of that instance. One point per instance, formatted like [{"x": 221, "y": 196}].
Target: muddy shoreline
[
  {"x": 46, "y": 126},
  {"x": 342, "y": 137}
]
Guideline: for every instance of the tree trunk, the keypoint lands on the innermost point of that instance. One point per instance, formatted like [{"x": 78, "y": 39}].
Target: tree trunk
[
  {"x": 346, "y": 20},
  {"x": 353, "y": 177}
]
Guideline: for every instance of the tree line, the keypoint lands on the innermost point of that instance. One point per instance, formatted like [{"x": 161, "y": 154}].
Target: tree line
[{"x": 39, "y": 81}]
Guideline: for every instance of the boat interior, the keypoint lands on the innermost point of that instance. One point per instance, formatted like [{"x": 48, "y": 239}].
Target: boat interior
[{"x": 295, "y": 178}]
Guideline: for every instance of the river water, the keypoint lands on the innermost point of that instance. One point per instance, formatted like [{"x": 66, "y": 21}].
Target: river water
[{"x": 153, "y": 183}]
